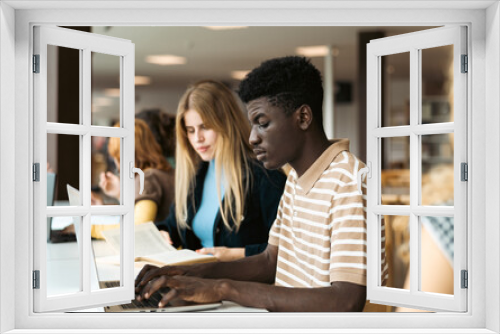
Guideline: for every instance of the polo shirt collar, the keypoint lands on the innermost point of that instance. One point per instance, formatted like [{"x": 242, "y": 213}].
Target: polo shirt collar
[{"x": 314, "y": 172}]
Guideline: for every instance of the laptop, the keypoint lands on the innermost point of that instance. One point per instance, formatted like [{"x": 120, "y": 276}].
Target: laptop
[
  {"x": 55, "y": 235},
  {"x": 51, "y": 190},
  {"x": 149, "y": 305}
]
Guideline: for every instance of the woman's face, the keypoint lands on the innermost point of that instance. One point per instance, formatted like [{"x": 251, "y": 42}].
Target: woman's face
[{"x": 201, "y": 138}]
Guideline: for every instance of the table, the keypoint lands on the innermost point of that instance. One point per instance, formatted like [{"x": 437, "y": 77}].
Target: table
[{"x": 63, "y": 272}]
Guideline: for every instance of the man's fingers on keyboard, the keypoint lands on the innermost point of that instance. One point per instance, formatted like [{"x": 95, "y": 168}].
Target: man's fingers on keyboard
[
  {"x": 143, "y": 274},
  {"x": 153, "y": 286},
  {"x": 167, "y": 297}
]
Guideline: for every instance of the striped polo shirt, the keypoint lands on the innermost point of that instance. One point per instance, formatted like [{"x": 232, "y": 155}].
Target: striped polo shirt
[{"x": 320, "y": 229}]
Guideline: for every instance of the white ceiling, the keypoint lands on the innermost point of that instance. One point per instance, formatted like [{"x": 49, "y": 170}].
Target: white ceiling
[{"x": 214, "y": 54}]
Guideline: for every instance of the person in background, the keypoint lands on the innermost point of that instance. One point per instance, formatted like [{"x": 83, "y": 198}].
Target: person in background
[
  {"x": 159, "y": 179},
  {"x": 162, "y": 125},
  {"x": 225, "y": 200}
]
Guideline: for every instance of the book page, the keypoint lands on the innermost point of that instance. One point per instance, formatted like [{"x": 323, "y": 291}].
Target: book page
[
  {"x": 148, "y": 240},
  {"x": 183, "y": 256}
]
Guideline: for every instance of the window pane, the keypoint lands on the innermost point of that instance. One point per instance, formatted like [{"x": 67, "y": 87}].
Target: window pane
[
  {"x": 437, "y": 170},
  {"x": 395, "y": 178},
  {"x": 437, "y": 250},
  {"x": 63, "y": 85},
  {"x": 105, "y": 89},
  {"x": 437, "y": 84},
  {"x": 63, "y": 157},
  {"x": 395, "y": 93},
  {"x": 105, "y": 170},
  {"x": 63, "y": 261},
  {"x": 397, "y": 246},
  {"x": 107, "y": 254}
]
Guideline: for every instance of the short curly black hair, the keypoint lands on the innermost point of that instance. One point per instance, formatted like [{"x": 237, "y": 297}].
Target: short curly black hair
[{"x": 287, "y": 82}]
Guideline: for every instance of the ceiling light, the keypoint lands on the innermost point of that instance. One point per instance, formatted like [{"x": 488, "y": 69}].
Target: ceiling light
[
  {"x": 101, "y": 102},
  {"x": 166, "y": 60},
  {"x": 239, "y": 75},
  {"x": 142, "y": 80},
  {"x": 312, "y": 51},
  {"x": 113, "y": 92},
  {"x": 225, "y": 27}
]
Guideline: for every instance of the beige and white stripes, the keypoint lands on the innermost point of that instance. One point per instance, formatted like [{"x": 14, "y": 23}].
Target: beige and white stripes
[{"x": 321, "y": 224}]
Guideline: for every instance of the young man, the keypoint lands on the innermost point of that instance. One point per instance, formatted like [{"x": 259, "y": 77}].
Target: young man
[{"x": 316, "y": 256}]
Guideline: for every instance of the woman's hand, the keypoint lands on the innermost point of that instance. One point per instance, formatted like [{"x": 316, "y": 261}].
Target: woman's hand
[
  {"x": 224, "y": 254},
  {"x": 95, "y": 199},
  {"x": 166, "y": 236},
  {"x": 70, "y": 229},
  {"x": 110, "y": 184}
]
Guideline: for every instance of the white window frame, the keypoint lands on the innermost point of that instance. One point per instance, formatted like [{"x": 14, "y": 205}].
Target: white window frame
[
  {"x": 413, "y": 44},
  {"x": 16, "y": 303},
  {"x": 85, "y": 43}
]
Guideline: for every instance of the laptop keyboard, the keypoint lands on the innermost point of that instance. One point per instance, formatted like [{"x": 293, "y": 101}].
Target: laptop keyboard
[{"x": 151, "y": 302}]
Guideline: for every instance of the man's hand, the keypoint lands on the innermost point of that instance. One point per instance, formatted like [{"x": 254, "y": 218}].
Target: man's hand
[
  {"x": 194, "y": 289},
  {"x": 150, "y": 272},
  {"x": 224, "y": 253}
]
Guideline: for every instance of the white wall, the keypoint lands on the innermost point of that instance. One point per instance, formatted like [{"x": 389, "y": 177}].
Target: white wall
[
  {"x": 7, "y": 170},
  {"x": 492, "y": 155},
  {"x": 166, "y": 98},
  {"x": 346, "y": 123}
]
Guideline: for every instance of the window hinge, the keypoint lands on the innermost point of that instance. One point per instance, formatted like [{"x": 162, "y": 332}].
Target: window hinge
[
  {"x": 36, "y": 63},
  {"x": 465, "y": 279},
  {"x": 36, "y": 172},
  {"x": 465, "y": 64},
  {"x": 36, "y": 279},
  {"x": 464, "y": 171}
]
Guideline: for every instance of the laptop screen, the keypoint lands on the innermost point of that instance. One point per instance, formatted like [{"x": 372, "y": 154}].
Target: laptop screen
[
  {"x": 51, "y": 189},
  {"x": 74, "y": 200}
]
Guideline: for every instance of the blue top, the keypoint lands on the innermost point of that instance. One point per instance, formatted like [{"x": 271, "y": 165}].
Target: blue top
[
  {"x": 261, "y": 205},
  {"x": 204, "y": 220}
]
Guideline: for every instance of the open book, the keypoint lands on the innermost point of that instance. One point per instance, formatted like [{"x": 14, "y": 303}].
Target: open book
[{"x": 151, "y": 247}]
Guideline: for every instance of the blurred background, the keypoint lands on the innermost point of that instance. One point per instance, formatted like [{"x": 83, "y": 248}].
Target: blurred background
[{"x": 168, "y": 59}]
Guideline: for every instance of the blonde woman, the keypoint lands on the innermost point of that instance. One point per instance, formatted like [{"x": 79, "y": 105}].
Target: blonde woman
[
  {"x": 159, "y": 179},
  {"x": 225, "y": 200}
]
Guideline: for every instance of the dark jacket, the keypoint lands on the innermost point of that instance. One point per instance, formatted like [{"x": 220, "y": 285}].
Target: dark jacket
[{"x": 261, "y": 205}]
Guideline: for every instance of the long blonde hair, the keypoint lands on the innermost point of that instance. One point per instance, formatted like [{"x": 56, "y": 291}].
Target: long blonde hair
[
  {"x": 219, "y": 109},
  {"x": 148, "y": 152}
]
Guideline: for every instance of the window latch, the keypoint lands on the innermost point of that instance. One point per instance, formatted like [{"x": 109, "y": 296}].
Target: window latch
[
  {"x": 362, "y": 172},
  {"x": 133, "y": 170}
]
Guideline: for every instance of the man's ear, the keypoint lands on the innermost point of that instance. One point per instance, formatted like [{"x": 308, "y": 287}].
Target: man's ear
[{"x": 304, "y": 116}]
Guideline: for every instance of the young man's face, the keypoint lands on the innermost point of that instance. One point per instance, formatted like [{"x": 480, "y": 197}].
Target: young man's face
[{"x": 275, "y": 136}]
